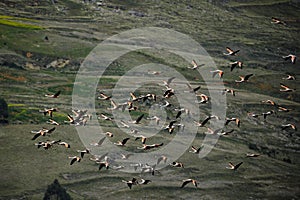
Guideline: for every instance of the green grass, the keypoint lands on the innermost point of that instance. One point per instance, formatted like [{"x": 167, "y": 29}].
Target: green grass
[
  {"x": 257, "y": 3},
  {"x": 9, "y": 22},
  {"x": 16, "y": 105},
  {"x": 74, "y": 30},
  {"x": 43, "y": 159},
  {"x": 14, "y": 21}
]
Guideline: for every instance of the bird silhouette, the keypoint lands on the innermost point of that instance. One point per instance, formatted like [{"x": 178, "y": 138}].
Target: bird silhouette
[
  {"x": 195, "y": 150},
  {"x": 130, "y": 183},
  {"x": 231, "y": 52},
  {"x": 83, "y": 152},
  {"x": 289, "y": 77},
  {"x": 233, "y": 119},
  {"x": 150, "y": 146},
  {"x": 193, "y": 90},
  {"x": 142, "y": 138},
  {"x": 244, "y": 78},
  {"x": 222, "y": 132},
  {"x": 137, "y": 121},
  {"x": 204, "y": 98},
  {"x": 177, "y": 164},
  {"x": 277, "y": 21},
  {"x": 236, "y": 64},
  {"x": 109, "y": 134},
  {"x": 234, "y": 167},
  {"x": 144, "y": 182},
  {"x": 74, "y": 159},
  {"x": 187, "y": 181},
  {"x": 286, "y": 126},
  {"x": 46, "y": 145},
  {"x": 218, "y": 72},
  {"x": 42, "y": 132},
  {"x": 231, "y": 91},
  {"x": 114, "y": 105},
  {"x": 154, "y": 72},
  {"x": 285, "y": 88},
  {"x": 53, "y": 95},
  {"x": 125, "y": 156},
  {"x": 156, "y": 118},
  {"x": 290, "y": 57},
  {"x": 270, "y": 102},
  {"x": 67, "y": 145},
  {"x": 124, "y": 124},
  {"x": 122, "y": 143},
  {"x": 49, "y": 111},
  {"x": 265, "y": 114},
  {"x": 105, "y": 117},
  {"x": 251, "y": 155},
  {"x": 195, "y": 65},
  {"x": 168, "y": 93},
  {"x": 103, "y": 164},
  {"x": 170, "y": 127},
  {"x": 99, "y": 143},
  {"x": 202, "y": 124},
  {"x": 52, "y": 122},
  {"x": 283, "y": 109},
  {"x": 104, "y": 96},
  {"x": 162, "y": 158},
  {"x": 168, "y": 82}
]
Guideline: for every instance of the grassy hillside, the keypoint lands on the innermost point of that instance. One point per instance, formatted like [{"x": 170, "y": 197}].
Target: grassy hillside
[{"x": 43, "y": 44}]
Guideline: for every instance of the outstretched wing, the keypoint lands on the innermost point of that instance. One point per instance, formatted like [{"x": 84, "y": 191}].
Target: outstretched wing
[
  {"x": 51, "y": 130},
  {"x": 214, "y": 73},
  {"x": 170, "y": 80},
  {"x": 205, "y": 121},
  {"x": 159, "y": 160},
  {"x": 185, "y": 183},
  {"x": 231, "y": 164},
  {"x": 36, "y": 136},
  {"x": 238, "y": 165},
  {"x": 194, "y": 148},
  {"x": 284, "y": 86},
  {"x": 113, "y": 103},
  {"x": 227, "y": 132},
  {"x": 189, "y": 86},
  {"x": 196, "y": 89},
  {"x": 132, "y": 95},
  {"x": 101, "y": 141},
  {"x": 233, "y": 65},
  {"x": 70, "y": 117},
  {"x": 101, "y": 165},
  {"x": 125, "y": 140},
  {"x": 248, "y": 76},
  {"x": 57, "y": 94},
  {"x": 236, "y": 51},
  {"x": 72, "y": 161},
  {"x": 229, "y": 50},
  {"x": 195, "y": 65},
  {"x": 139, "y": 118}
]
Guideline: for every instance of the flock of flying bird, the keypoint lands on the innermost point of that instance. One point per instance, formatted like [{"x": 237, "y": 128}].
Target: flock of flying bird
[{"x": 80, "y": 117}]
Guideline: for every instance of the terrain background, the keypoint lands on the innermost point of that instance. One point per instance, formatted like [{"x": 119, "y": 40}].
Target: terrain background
[{"x": 44, "y": 42}]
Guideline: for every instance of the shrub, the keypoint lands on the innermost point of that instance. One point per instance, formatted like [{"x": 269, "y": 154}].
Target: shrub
[
  {"x": 3, "y": 111},
  {"x": 56, "y": 191}
]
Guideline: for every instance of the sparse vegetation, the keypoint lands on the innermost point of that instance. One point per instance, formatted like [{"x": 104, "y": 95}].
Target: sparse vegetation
[
  {"x": 56, "y": 191},
  {"x": 71, "y": 29}
]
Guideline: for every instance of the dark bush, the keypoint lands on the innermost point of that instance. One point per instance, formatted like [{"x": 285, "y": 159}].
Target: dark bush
[
  {"x": 56, "y": 191},
  {"x": 3, "y": 111}
]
